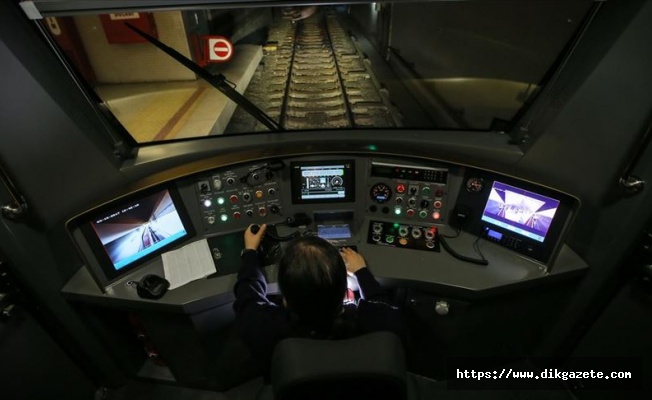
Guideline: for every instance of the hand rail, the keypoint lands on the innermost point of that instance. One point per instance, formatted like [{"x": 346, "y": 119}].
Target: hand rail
[{"x": 16, "y": 209}]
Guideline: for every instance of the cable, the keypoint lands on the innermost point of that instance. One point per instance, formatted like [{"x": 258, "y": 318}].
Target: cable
[
  {"x": 476, "y": 247},
  {"x": 455, "y": 254},
  {"x": 457, "y": 233}
]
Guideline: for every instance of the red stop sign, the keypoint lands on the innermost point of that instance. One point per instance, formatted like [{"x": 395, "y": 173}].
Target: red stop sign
[{"x": 219, "y": 49}]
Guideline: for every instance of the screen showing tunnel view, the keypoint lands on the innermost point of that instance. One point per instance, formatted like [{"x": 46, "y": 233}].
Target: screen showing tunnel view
[
  {"x": 139, "y": 228},
  {"x": 179, "y": 74},
  {"x": 520, "y": 211}
]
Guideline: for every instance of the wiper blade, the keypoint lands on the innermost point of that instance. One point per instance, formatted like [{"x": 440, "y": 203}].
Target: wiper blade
[{"x": 218, "y": 81}]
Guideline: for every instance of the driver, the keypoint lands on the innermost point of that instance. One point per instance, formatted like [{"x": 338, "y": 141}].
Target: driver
[{"x": 312, "y": 278}]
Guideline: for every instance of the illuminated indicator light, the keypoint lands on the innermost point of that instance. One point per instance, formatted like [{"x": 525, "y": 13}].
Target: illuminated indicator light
[
  {"x": 403, "y": 241},
  {"x": 224, "y": 217},
  {"x": 259, "y": 194},
  {"x": 397, "y": 210},
  {"x": 410, "y": 212},
  {"x": 400, "y": 188},
  {"x": 207, "y": 203},
  {"x": 372, "y": 147},
  {"x": 396, "y": 226},
  {"x": 436, "y": 215},
  {"x": 220, "y": 200}
]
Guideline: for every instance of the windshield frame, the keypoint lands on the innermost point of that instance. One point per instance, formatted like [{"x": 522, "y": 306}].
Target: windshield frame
[{"x": 518, "y": 129}]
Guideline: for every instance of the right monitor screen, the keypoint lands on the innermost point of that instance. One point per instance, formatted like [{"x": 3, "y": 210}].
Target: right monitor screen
[{"x": 520, "y": 211}]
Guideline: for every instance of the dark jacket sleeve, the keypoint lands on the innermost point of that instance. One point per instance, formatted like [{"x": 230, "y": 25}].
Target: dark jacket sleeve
[
  {"x": 369, "y": 286},
  {"x": 261, "y": 323},
  {"x": 251, "y": 288},
  {"x": 375, "y": 310}
]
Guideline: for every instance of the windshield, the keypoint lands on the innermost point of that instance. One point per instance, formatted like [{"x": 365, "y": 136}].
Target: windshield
[{"x": 180, "y": 74}]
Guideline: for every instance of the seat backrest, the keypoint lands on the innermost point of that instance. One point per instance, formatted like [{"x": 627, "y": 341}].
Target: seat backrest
[{"x": 371, "y": 366}]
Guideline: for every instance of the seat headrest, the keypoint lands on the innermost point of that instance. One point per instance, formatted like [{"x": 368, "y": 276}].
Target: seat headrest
[{"x": 369, "y": 366}]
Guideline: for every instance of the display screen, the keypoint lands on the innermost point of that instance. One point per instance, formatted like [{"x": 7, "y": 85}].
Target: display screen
[
  {"x": 326, "y": 182},
  {"x": 520, "y": 211},
  {"x": 331, "y": 232},
  {"x": 139, "y": 228}
]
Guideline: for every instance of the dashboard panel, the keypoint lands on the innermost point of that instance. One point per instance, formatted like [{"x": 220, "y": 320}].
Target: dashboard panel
[{"x": 397, "y": 212}]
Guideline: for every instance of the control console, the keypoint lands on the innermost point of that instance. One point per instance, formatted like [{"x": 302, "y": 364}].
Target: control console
[
  {"x": 408, "y": 193},
  {"x": 238, "y": 197},
  {"x": 341, "y": 199},
  {"x": 405, "y": 236}
]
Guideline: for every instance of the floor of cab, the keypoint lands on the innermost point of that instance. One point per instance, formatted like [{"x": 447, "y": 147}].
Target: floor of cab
[{"x": 426, "y": 388}]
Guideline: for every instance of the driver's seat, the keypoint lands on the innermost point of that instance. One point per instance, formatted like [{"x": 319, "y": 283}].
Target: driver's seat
[{"x": 371, "y": 367}]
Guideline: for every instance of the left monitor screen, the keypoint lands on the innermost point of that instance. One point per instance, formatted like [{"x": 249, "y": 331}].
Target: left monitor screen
[{"x": 139, "y": 228}]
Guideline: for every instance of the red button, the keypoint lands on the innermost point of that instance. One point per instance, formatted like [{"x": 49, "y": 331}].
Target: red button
[
  {"x": 410, "y": 212},
  {"x": 400, "y": 188},
  {"x": 236, "y": 215},
  {"x": 234, "y": 199}
]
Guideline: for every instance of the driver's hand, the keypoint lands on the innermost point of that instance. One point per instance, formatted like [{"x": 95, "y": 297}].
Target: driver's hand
[
  {"x": 252, "y": 241},
  {"x": 353, "y": 260}
]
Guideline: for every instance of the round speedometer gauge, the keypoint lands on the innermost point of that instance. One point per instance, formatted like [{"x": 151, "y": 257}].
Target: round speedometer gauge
[
  {"x": 380, "y": 193},
  {"x": 474, "y": 185},
  {"x": 337, "y": 181}
]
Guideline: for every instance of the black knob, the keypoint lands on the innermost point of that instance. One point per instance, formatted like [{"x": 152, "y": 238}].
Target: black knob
[{"x": 254, "y": 228}]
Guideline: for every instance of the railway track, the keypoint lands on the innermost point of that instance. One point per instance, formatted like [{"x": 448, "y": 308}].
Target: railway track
[{"x": 313, "y": 77}]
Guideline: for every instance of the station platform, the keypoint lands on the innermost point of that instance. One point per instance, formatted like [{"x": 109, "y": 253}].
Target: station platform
[{"x": 160, "y": 111}]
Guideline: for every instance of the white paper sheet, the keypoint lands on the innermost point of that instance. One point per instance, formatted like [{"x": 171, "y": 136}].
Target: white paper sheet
[{"x": 191, "y": 262}]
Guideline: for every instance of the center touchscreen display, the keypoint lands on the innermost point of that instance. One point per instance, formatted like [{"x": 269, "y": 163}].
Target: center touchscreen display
[
  {"x": 138, "y": 229},
  {"x": 323, "y": 182},
  {"x": 335, "y": 231},
  {"x": 520, "y": 211}
]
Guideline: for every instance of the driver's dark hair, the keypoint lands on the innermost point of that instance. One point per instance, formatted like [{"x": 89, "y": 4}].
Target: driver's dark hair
[{"x": 312, "y": 279}]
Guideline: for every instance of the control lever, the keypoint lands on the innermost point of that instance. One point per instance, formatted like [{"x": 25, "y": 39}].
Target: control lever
[{"x": 270, "y": 246}]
